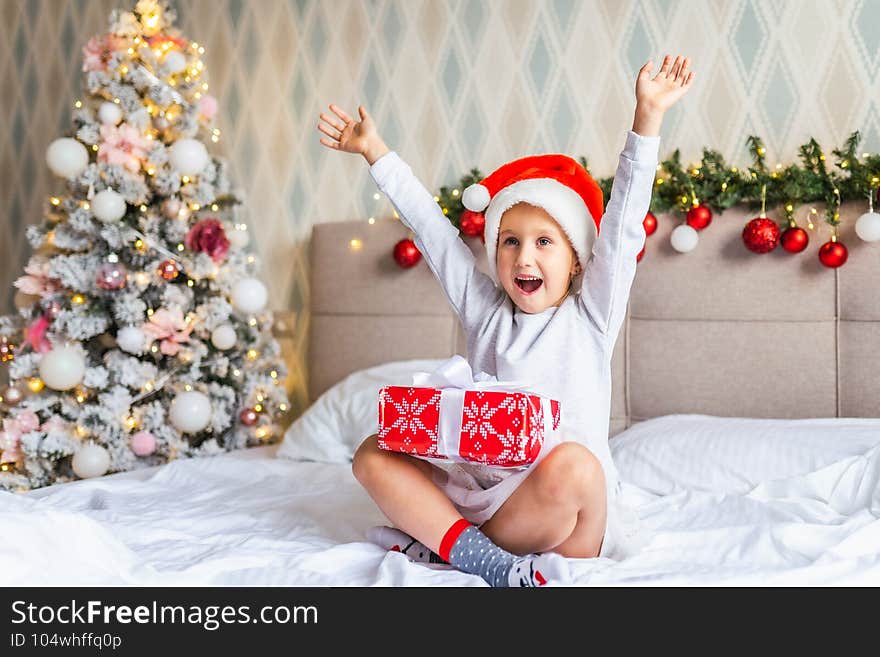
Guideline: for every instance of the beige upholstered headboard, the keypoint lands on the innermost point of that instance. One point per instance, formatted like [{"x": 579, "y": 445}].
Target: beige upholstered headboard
[{"x": 719, "y": 331}]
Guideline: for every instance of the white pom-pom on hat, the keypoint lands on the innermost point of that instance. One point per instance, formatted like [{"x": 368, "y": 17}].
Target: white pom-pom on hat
[{"x": 475, "y": 197}]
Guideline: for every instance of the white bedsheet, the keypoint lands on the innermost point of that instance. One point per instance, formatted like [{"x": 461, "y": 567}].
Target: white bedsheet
[{"x": 247, "y": 518}]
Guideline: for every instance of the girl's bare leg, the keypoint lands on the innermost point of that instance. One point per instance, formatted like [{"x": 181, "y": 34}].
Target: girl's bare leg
[
  {"x": 402, "y": 488},
  {"x": 560, "y": 507}
]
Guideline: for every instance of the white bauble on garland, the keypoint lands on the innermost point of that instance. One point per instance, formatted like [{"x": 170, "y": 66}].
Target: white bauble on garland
[
  {"x": 108, "y": 206},
  {"x": 684, "y": 239},
  {"x": 67, "y": 157},
  {"x": 110, "y": 113},
  {"x": 131, "y": 340},
  {"x": 189, "y": 156},
  {"x": 249, "y": 296},
  {"x": 868, "y": 227},
  {"x": 175, "y": 62},
  {"x": 63, "y": 368},
  {"x": 223, "y": 337},
  {"x": 90, "y": 460},
  {"x": 190, "y": 411}
]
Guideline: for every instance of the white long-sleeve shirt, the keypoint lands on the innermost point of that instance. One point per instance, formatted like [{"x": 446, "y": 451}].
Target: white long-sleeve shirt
[{"x": 565, "y": 351}]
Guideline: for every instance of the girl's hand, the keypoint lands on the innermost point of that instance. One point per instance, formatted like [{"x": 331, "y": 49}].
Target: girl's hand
[
  {"x": 670, "y": 84},
  {"x": 352, "y": 136}
]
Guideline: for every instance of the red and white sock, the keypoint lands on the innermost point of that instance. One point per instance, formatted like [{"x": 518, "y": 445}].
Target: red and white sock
[{"x": 397, "y": 541}]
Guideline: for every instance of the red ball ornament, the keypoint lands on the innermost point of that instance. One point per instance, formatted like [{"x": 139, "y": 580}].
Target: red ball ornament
[
  {"x": 641, "y": 254},
  {"x": 761, "y": 235},
  {"x": 248, "y": 417},
  {"x": 698, "y": 217},
  {"x": 406, "y": 254},
  {"x": 472, "y": 223},
  {"x": 833, "y": 254},
  {"x": 650, "y": 223},
  {"x": 168, "y": 270},
  {"x": 795, "y": 239}
]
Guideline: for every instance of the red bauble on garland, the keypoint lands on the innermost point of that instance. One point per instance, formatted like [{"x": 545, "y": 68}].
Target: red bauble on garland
[
  {"x": 699, "y": 216},
  {"x": 406, "y": 254},
  {"x": 833, "y": 254},
  {"x": 761, "y": 235},
  {"x": 472, "y": 223},
  {"x": 794, "y": 239},
  {"x": 650, "y": 224}
]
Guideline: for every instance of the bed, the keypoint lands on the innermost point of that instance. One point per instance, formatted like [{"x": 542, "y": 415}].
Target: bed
[{"x": 744, "y": 425}]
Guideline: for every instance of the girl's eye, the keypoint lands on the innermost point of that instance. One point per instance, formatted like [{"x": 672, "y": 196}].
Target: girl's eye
[
  {"x": 510, "y": 240},
  {"x": 545, "y": 241}
]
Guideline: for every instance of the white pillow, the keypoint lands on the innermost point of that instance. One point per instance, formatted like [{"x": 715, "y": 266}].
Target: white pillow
[
  {"x": 733, "y": 455},
  {"x": 333, "y": 427}
]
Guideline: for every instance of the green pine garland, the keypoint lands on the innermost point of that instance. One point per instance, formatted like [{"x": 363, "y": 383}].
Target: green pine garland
[{"x": 716, "y": 184}]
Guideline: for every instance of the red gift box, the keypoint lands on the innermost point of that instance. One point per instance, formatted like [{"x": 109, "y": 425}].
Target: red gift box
[{"x": 501, "y": 428}]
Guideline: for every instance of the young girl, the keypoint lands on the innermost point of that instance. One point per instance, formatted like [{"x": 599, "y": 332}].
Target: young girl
[{"x": 550, "y": 314}]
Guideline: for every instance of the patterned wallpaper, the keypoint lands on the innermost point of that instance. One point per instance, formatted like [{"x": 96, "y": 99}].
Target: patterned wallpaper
[{"x": 454, "y": 84}]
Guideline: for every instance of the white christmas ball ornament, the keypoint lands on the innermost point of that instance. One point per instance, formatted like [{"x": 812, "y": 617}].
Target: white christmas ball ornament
[
  {"x": 90, "y": 460},
  {"x": 175, "y": 62},
  {"x": 131, "y": 340},
  {"x": 223, "y": 337},
  {"x": 238, "y": 238},
  {"x": 190, "y": 412},
  {"x": 108, "y": 206},
  {"x": 110, "y": 113},
  {"x": 249, "y": 296},
  {"x": 189, "y": 156},
  {"x": 67, "y": 157},
  {"x": 63, "y": 368},
  {"x": 868, "y": 227},
  {"x": 684, "y": 239}
]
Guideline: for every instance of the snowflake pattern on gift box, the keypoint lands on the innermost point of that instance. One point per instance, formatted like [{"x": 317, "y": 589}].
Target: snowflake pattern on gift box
[
  {"x": 409, "y": 419},
  {"x": 501, "y": 428}
]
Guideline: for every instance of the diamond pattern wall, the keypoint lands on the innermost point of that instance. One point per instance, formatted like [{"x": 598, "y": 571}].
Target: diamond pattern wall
[{"x": 454, "y": 84}]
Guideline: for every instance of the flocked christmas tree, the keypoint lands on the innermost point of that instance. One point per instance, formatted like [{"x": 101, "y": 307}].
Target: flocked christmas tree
[{"x": 142, "y": 333}]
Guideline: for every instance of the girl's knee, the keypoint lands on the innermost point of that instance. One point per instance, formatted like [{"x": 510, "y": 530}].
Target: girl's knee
[
  {"x": 366, "y": 459},
  {"x": 569, "y": 472}
]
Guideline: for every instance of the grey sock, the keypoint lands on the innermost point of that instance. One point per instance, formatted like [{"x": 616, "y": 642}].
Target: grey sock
[{"x": 473, "y": 552}]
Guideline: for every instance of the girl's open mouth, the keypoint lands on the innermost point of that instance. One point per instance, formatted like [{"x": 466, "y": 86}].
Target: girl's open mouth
[{"x": 528, "y": 284}]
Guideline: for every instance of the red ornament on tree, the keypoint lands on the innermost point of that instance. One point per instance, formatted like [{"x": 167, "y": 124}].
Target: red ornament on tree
[
  {"x": 406, "y": 254},
  {"x": 761, "y": 235},
  {"x": 168, "y": 270},
  {"x": 795, "y": 239},
  {"x": 472, "y": 223},
  {"x": 650, "y": 224},
  {"x": 833, "y": 254},
  {"x": 248, "y": 417},
  {"x": 698, "y": 217}
]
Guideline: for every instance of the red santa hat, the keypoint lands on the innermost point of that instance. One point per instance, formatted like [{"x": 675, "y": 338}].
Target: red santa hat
[{"x": 555, "y": 183}]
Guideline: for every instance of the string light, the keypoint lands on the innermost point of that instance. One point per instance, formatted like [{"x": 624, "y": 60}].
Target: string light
[
  {"x": 252, "y": 354},
  {"x": 355, "y": 245},
  {"x": 55, "y": 200},
  {"x": 187, "y": 387},
  {"x": 283, "y": 407},
  {"x": 78, "y": 104},
  {"x": 35, "y": 384},
  {"x": 78, "y": 299}
]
